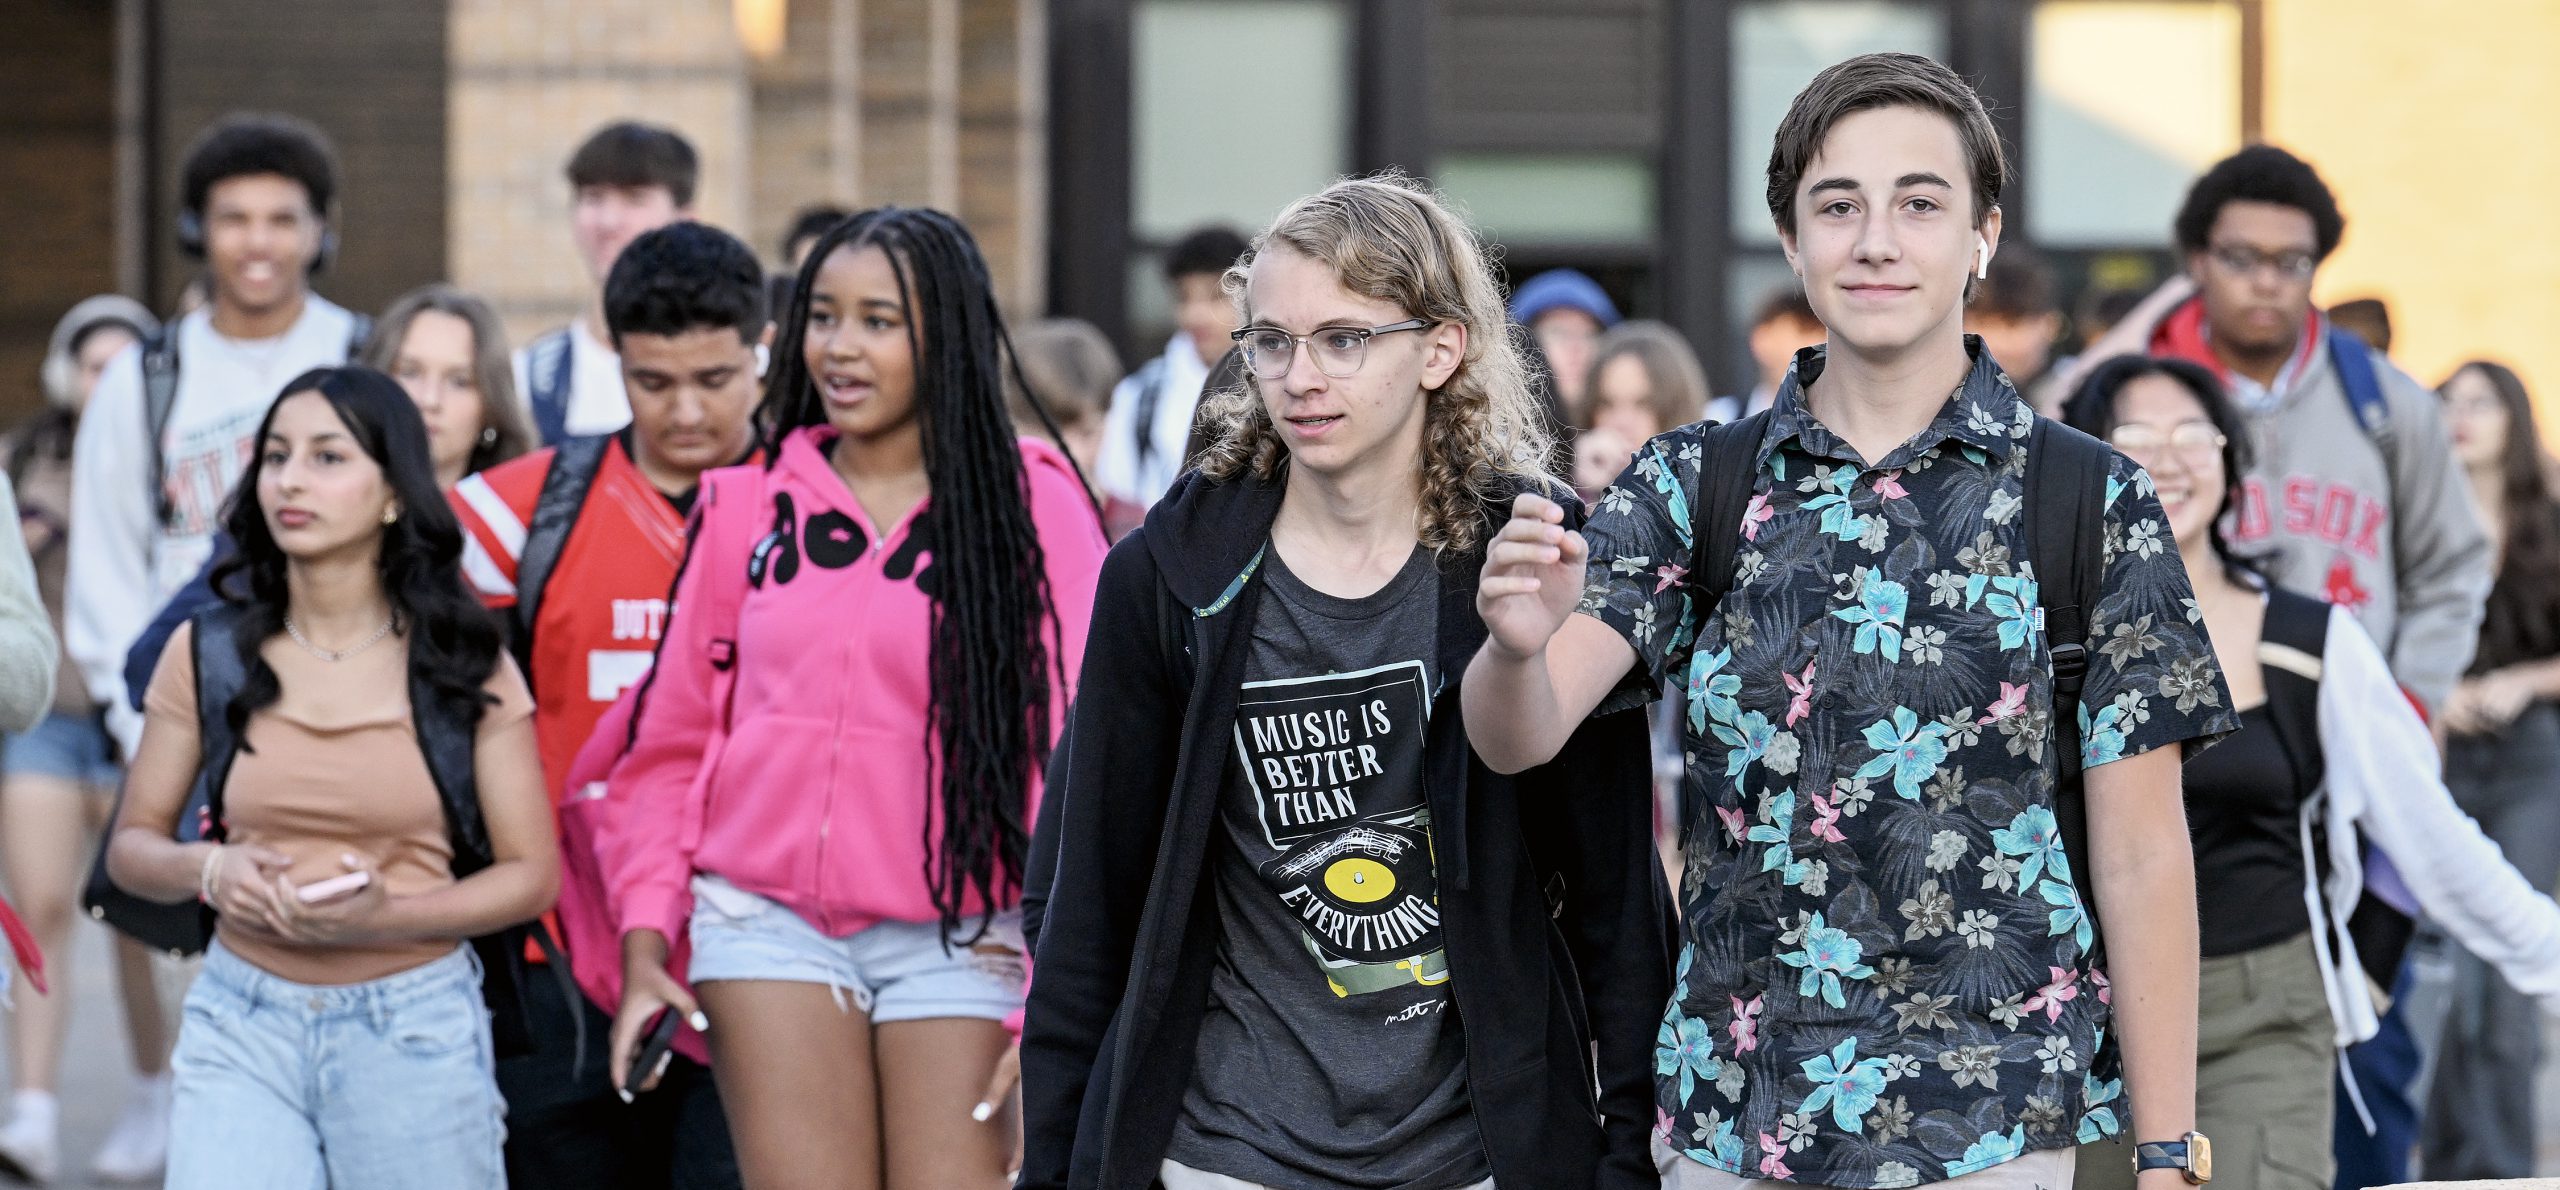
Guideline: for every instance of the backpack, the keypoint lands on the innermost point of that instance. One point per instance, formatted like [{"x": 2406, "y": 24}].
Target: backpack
[
  {"x": 160, "y": 398},
  {"x": 572, "y": 474},
  {"x": 2354, "y": 362},
  {"x": 449, "y": 746},
  {"x": 2290, "y": 648},
  {"x": 548, "y": 377},
  {"x": 2066, "y": 539}
]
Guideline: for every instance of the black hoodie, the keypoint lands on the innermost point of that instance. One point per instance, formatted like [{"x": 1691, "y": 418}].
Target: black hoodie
[{"x": 1556, "y": 921}]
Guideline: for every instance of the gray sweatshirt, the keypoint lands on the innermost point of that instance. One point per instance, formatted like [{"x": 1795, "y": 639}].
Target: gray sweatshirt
[
  {"x": 2381, "y": 524},
  {"x": 29, "y": 654}
]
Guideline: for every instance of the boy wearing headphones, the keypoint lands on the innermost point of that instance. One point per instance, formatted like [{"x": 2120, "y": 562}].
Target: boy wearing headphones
[{"x": 167, "y": 429}]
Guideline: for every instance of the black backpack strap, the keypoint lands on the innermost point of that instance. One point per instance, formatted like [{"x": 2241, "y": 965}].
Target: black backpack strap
[
  {"x": 1151, "y": 380},
  {"x": 1727, "y": 471},
  {"x": 2066, "y": 499},
  {"x": 548, "y": 377},
  {"x": 159, "y": 399},
  {"x": 555, "y": 511},
  {"x": 359, "y": 334}
]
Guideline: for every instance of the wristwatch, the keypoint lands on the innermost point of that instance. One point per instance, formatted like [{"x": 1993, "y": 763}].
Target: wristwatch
[{"x": 2191, "y": 1155}]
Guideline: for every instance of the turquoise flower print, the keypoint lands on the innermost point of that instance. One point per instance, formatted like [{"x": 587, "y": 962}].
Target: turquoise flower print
[
  {"x": 2036, "y": 839},
  {"x": 1827, "y": 955},
  {"x": 1711, "y": 690},
  {"x": 1881, "y": 605},
  {"x": 1908, "y": 749},
  {"x": 1657, "y": 467},
  {"x": 2013, "y": 599},
  {"x": 2099, "y": 1122},
  {"x": 1992, "y": 1149},
  {"x": 1727, "y": 1147},
  {"x": 1747, "y": 740},
  {"x": 1685, "y": 1048},
  {"x": 1847, "y": 1084},
  {"x": 1777, "y": 829},
  {"x": 2102, "y": 736},
  {"x": 2068, "y": 916},
  {"x": 1837, "y": 518}
]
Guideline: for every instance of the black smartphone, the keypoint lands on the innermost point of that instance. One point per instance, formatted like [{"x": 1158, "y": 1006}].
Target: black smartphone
[{"x": 653, "y": 1049}]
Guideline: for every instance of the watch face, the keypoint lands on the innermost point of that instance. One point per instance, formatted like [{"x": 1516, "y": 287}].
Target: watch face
[{"x": 2199, "y": 1158}]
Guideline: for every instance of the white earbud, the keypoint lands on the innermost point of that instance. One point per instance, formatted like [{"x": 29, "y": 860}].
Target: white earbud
[
  {"x": 1982, "y": 263},
  {"x": 764, "y": 360}
]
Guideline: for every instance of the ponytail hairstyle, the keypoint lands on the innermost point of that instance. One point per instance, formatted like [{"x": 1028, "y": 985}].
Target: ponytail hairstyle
[
  {"x": 1388, "y": 238},
  {"x": 994, "y": 624},
  {"x": 453, "y": 640}
]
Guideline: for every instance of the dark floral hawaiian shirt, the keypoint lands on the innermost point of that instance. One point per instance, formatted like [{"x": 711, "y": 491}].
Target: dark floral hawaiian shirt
[{"x": 1884, "y": 979}]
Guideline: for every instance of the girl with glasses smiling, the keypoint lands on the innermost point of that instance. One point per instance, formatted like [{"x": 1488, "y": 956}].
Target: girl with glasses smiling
[
  {"x": 1297, "y": 934},
  {"x": 2330, "y": 754}
]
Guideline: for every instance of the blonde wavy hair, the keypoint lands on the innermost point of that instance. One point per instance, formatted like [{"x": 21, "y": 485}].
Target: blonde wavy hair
[{"x": 1388, "y": 237}]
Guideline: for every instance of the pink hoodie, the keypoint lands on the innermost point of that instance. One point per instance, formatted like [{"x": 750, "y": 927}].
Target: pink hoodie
[{"x": 813, "y": 787}]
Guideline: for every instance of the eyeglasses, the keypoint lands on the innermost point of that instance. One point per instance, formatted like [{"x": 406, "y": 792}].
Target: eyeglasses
[
  {"x": 2195, "y": 443},
  {"x": 2289, "y": 266},
  {"x": 1337, "y": 350}
]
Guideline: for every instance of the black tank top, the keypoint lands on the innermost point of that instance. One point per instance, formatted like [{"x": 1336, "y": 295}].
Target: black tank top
[{"x": 2245, "y": 814}]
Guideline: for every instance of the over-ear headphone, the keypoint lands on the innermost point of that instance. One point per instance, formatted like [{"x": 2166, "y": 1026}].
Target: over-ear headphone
[
  {"x": 191, "y": 240},
  {"x": 1982, "y": 263},
  {"x": 61, "y": 379}
]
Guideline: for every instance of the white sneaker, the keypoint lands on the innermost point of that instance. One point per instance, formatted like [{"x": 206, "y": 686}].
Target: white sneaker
[
  {"x": 30, "y": 1147},
  {"x": 137, "y": 1150}
]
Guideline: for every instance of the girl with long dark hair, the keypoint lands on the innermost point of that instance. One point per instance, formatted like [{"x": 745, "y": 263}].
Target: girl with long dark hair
[
  {"x": 843, "y": 735},
  {"x": 2504, "y": 746},
  {"x": 2330, "y": 757},
  {"x": 338, "y": 1033}
]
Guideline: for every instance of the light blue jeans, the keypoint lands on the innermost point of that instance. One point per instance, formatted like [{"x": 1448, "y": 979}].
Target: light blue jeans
[{"x": 290, "y": 1086}]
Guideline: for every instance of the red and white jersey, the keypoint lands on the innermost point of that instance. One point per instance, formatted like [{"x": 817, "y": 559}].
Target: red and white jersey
[{"x": 603, "y": 607}]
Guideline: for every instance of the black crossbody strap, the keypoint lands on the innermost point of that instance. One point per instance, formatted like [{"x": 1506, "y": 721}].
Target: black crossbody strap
[{"x": 555, "y": 512}]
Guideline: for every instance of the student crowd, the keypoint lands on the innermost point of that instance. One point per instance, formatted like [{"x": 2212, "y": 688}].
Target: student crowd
[{"x": 797, "y": 730}]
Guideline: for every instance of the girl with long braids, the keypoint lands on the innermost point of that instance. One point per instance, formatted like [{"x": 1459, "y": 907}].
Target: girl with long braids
[
  {"x": 356, "y": 750},
  {"x": 839, "y": 748}
]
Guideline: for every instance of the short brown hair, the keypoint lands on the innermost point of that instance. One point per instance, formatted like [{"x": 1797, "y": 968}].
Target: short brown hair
[
  {"x": 635, "y": 156},
  {"x": 1871, "y": 81}
]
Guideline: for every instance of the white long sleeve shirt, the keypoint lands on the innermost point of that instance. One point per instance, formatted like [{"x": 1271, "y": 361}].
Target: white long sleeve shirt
[
  {"x": 125, "y": 561},
  {"x": 2382, "y": 779}
]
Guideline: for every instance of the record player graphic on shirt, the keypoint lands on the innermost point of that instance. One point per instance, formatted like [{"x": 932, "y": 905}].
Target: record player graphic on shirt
[{"x": 1335, "y": 765}]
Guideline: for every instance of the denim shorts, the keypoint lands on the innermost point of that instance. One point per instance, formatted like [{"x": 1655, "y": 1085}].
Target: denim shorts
[
  {"x": 67, "y": 747},
  {"x": 892, "y": 971},
  {"x": 387, "y": 1084}
]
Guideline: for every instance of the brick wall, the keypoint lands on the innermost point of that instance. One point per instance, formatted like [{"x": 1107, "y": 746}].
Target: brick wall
[{"x": 57, "y": 152}]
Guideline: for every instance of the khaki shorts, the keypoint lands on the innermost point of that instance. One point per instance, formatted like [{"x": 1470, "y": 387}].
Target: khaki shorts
[{"x": 2043, "y": 1169}]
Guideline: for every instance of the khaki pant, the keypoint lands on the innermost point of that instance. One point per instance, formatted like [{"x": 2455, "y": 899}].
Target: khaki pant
[{"x": 2264, "y": 1070}]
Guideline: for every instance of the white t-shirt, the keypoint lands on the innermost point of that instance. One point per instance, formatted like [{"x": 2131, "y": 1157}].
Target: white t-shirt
[
  {"x": 1121, "y": 474},
  {"x": 125, "y": 561},
  {"x": 597, "y": 402}
]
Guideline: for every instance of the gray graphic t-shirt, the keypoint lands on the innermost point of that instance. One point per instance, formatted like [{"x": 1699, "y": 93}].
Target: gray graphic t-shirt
[{"x": 1327, "y": 1057}]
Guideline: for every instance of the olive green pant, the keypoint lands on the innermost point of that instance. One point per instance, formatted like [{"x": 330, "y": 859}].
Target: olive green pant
[{"x": 2264, "y": 1065}]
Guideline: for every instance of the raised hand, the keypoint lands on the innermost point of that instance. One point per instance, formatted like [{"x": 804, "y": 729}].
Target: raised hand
[{"x": 1532, "y": 577}]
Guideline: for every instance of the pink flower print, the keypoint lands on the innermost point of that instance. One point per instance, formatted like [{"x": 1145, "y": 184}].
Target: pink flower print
[
  {"x": 1889, "y": 486},
  {"x": 2013, "y": 700},
  {"x": 1662, "y": 1125},
  {"x": 1733, "y": 821},
  {"x": 1826, "y": 821},
  {"x": 1746, "y": 1024},
  {"x": 1756, "y": 515},
  {"x": 1802, "y": 688},
  {"x": 1669, "y": 574},
  {"x": 2106, "y": 992},
  {"x": 2052, "y": 996},
  {"x": 1773, "y": 1158}
]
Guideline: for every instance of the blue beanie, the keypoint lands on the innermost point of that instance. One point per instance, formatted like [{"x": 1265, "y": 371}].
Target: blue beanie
[{"x": 1562, "y": 289}]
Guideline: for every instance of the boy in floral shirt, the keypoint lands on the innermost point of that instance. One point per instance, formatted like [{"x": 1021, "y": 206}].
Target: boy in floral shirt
[{"x": 1887, "y": 977}]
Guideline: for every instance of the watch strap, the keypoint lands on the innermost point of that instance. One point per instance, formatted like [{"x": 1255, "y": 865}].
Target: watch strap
[{"x": 2161, "y": 1154}]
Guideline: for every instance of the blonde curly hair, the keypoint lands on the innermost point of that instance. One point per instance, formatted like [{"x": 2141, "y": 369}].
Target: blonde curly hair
[{"x": 1389, "y": 238}]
